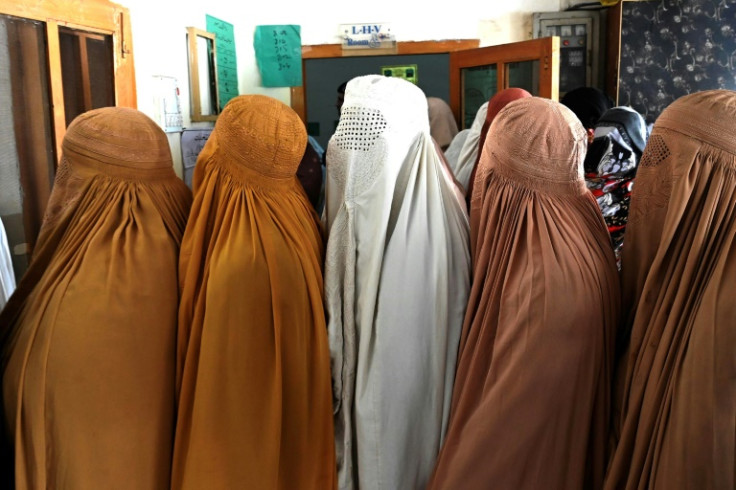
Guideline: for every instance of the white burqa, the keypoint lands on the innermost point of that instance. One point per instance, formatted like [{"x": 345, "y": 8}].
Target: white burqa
[
  {"x": 452, "y": 153},
  {"x": 463, "y": 166},
  {"x": 7, "y": 278},
  {"x": 397, "y": 277}
]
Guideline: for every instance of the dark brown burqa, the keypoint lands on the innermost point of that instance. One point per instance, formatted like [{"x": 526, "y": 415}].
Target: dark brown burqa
[
  {"x": 531, "y": 397},
  {"x": 676, "y": 384}
]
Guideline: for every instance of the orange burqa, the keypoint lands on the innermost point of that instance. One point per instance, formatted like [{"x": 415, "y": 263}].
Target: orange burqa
[
  {"x": 89, "y": 337},
  {"x": 255, "y": 404}
]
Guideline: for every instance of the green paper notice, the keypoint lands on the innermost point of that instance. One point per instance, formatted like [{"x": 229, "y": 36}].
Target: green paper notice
[
  {"x": 227, "y": 68},
  {"x": 279, "y": 55}
]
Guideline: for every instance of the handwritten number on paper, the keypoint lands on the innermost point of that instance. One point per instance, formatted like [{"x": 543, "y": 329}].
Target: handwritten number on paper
[{"x": 281, "y": 50}]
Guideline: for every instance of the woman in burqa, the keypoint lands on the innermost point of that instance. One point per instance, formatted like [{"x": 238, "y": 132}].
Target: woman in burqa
[
  {"x": 675, "y": 415},
  {"x": 530, "y": 406},
  {"x": 442, "y": 124},
  {"x": 462, "y": 153},
  {"x": 253, "y": 361},
  {"x": 89, "y": 337},
  {"x": 610, "y": 167},
  {"x": 396, "y": 284},
  {"x": 588, "y": 104}
]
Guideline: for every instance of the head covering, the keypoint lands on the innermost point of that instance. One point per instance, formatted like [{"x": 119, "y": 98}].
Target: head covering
[
  {"x": 254, "y": 384},
  {"x": 463, "y": 167},
  {"x": 452, "y": 153},
  {"x": 442, "y": 124},
  {"x": 498, "y": 101},
  {"x": 89, "y": 364},
  {"x": 610, "y": 167},
  {"x": 588, "y": 103},
  {"x": 676, "y": 391},
  {"x": 396, "y": 279},
  {"x": 530, "y": 404},
  {"x": 7, "y": 276}
]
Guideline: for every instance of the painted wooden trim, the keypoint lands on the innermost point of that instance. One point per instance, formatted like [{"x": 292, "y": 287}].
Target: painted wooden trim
[
  {"x": 122, "y": 41},
  {"x": 84, "y": 62},
  {"x": 406, "y": 47},
  {"x": 56, "y": 85},
  {"x": 613, "y": 49},
  {"x": 546, "y": 50},
  {"x": 194, "y": 82},
  {"x": 298, "y": 100}
]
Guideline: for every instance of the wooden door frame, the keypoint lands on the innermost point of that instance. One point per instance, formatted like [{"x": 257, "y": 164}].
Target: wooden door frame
[
  {"x": 546, "y": 50},
  {"x": 99, "y": 16},
  {"x": 613, "y": 49},
  {"x": 318, "y": 51}
]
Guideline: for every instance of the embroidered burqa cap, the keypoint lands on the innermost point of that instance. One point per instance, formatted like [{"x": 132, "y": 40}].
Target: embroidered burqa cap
[{"x": 530, "y": 407}]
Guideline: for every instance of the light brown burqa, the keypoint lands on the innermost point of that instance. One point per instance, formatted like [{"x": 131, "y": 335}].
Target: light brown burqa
[
  {"x": 676, "y": 417},
  {"x": 255, "y": 405},
  {"x": 89, "y": 354},
  {"x": 531, "y": 397}
]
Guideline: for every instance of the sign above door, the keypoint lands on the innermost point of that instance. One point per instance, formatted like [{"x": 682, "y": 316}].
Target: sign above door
[{"x": 367, "y": 36}]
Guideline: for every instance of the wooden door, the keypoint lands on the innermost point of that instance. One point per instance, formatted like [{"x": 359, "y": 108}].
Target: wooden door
[
  {"x": 59, "y": 58},
  {"x": 477, "y": 74}
]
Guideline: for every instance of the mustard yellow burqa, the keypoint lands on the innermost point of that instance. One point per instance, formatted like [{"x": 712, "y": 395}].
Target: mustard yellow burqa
[
  {"x": 89, "y": 337},
  {"x": 255, "y": 406}
]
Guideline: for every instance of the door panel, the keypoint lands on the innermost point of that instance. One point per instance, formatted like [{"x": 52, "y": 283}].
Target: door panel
[
  {"x": 26, "y": 142},
  {"x": 87, "y": 71},
  {"x": 479, "y": 84},
  {"x": 533, "y": 65},
  {"x": 34, "y": 92}
]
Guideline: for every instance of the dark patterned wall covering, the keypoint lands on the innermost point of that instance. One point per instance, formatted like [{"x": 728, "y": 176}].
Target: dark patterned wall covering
[{"x": 670, "y": 48}]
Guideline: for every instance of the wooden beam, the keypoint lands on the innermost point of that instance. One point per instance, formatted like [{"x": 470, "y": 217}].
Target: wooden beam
[
  {"x": 406, "y": 47},
  {"x": 56, "y": 85},
  {"x": 613, "y": 49},
  {"x": 84, "y": 65},
  {"x": 297, "y": 102}
]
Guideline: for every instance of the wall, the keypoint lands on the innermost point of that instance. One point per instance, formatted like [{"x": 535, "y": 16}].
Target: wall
[
  {"x": 159, "y": 35},
  {"x": 672, "y": 48},
  {"x": 159, "y": 38},
  {"x": 324, "y": 75}
]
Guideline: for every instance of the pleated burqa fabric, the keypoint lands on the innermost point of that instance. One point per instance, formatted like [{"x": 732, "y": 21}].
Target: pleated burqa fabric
[
  {"x": 676, "y": 384},
  {"x": 531, "y": 401},
  {"x": 255, "y": 405},
  {"x": 90, "y": 334},
  {"x": 397, "y": 280}
]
